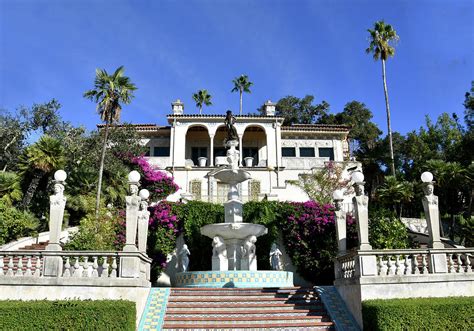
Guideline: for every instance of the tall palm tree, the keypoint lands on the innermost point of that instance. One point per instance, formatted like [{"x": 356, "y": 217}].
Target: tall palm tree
[
  {"x": 242, "y": 84},
  {"x": 202, "y": 97},
  {"x": 40, "y": 159},
  {"x": 382, "y": 37},
  {"x": 109, "y": 91}
]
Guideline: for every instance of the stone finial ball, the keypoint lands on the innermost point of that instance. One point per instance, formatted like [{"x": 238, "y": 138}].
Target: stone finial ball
[
  {"x": 144, "y": 194},
  {"x": 357, "y": 177},
  {"x": 426, "y": 177},
  {"x": 338, "y": 195},
  {"x": 60, "y": 175},
  {"x": 134, "y": 176}
]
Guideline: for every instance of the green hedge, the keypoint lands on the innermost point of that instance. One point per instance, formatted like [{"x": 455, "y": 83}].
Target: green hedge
[
  {"x": 67, "y": 315},
  {"x": 454, "y": 313}
]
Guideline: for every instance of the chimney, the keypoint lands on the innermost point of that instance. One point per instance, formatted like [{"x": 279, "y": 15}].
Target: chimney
[
  {"x": 177, "y": 107},
  {"x": 269, "y": 108}
]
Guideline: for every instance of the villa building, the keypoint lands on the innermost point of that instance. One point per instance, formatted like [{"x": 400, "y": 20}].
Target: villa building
[{"x": 191, "y": 148}]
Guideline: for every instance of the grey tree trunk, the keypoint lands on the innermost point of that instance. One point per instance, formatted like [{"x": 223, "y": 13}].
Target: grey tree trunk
[
  {"x": 30, "y": 192},
  {"x": 240, "y": 102},
  {"x": 101, "y": 169},
  {"x": 389, "y": 126}
]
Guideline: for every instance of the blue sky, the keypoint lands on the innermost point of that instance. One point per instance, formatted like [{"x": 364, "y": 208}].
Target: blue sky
[{"x": 170, "y": 49}]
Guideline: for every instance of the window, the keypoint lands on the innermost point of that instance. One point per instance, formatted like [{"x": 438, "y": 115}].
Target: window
[
  {"x": 220, "y": 152},
  {"x": 307, "y": 152},
  {"x": 197, "y": 152},
  {"x": 326, "y": 152},
  {"x": 288, "y": 151},
  {"x": 161, "y": 151}
]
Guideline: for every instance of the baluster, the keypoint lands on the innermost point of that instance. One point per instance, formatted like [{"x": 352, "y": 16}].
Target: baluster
[
  {"x": 416, "y": 270},
  {"x": 10, "y": 266},
  {"x": 384, "y": 270},
  {"x": 94, "y": 267},
  {"x": 19, "y": 266},
  {"x": 77, "y": 268},
  {"x": 468, "y": 262},
  {"x": 398, "y": 270},
  {"x": 37, "y": 272},
  {"x": 406, "y": 265},
  {"x": 105, "y": 268},
  {"x": 1, "y": 265},
  {"x": 67, "y": 268},
  {"x": 113, "y": 273},
  {"x": 459, "y": 269},
  {"x": 391, "y": 269},
  {"x": 450, "y": 263},
  {"x": 85, "y": 264},
  {"x": 424, "y": 264},
  {"x": 379, "y": 265},
  {"x": 28, "y": 267}
]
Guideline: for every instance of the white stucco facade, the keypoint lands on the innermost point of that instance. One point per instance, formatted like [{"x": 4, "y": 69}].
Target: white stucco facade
[{"x": 191, "y": 149}]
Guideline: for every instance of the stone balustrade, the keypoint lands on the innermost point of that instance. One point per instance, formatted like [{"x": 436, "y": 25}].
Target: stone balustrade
[
  {"x": 406, "y": 262},
  {"x": 75, "y": 264}
]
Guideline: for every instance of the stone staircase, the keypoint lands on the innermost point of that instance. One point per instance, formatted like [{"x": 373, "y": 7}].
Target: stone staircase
[{"x": 245, "y": 309}]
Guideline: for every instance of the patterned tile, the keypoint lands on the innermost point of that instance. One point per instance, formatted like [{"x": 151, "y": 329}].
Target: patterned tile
[
  {"x": 155, "y": 309},
  {"x": 337, "y": 310}
]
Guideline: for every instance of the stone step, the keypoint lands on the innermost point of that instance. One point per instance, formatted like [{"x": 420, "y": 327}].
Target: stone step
[
  {"x": 240, "y": 328},
  {"x": 249, "y": 298},
  {"x": 299, "y": 304},
  {"x": 248, "y": 313},
  {"x": 239, "y": 319},
  {"x": 245, "y": 325}
]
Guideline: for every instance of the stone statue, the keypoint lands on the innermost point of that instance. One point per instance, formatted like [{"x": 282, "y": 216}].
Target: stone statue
[
  {"x": 429, "y": 197},
  {"x": 229, "y": 124},
  {"x": 359, "y": 189},
  {"x": 275, "y": 257},
  {"x": 184, "y": 258},
  {"x": 248, "y": 248},
  {"x": 218, "y": 247}
]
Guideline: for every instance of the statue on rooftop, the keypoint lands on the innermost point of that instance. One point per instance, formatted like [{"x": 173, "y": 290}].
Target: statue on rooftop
[{"x": 229, "y": 124}]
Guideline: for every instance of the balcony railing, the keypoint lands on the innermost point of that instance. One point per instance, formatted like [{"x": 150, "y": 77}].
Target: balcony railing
[{"x": 305, "y": 163}]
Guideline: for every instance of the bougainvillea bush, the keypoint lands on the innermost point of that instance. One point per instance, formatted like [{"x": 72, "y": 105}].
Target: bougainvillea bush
[
  {"x": 309, "y": 233},
  {"x": 157, "y": 182}
]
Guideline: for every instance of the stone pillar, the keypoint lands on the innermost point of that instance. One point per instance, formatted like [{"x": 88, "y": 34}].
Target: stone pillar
[
  {"x": 53, "y": 265},
  {"x": 143, "y": 219},
  {"x": 438, "y": 262},
  {"x": 241, "y": 162},
  {"x": 341, "y": 231},
  {"x": 129, "y": 266},
  {"x": 211, "y": 152}
]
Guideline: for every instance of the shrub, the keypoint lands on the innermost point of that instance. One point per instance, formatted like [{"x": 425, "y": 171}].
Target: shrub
[
  {"x": 67, "y": 315},
  {"x": 15, "y": 224},
  {"x": 386, "y": 231},
  {"x": 455, "y": 313}
]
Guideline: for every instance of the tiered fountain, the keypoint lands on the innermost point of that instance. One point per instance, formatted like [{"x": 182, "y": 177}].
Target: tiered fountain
[{"x": 234, "y": 260}]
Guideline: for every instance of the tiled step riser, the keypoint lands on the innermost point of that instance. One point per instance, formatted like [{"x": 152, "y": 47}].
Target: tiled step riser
[
  {"x": 243, "y": 320},
  {"x": 240, "y": 297},
  {"x": 266, "y": 326},
  {"x": 298, "y": 328},
  {"x": 233, "y": 308}
]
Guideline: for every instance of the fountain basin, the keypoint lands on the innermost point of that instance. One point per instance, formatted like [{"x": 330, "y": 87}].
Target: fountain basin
[
  {"x": 233, "y": 230},
  {"x": 234, "y": 279},
  {"x": 232, "y": 176}
]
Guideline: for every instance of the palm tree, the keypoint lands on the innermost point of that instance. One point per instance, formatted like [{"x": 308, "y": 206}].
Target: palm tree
[
  {"x": 381, "y": 38},
  {"x": 10, "y": 188},
  {"x": 202, "y": 97},
  {"x": 109, "y": 91},
  {"x": 40, "y": 159},
  {"x": 242, "y": 84},
  {"x": 395, "y": 193}
]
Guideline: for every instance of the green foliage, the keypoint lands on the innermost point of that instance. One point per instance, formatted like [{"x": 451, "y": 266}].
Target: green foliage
[
  {"x": 386, "y": 231},
  {"x": 454, "y": 313},
  {"x": 393, "y": 193},
  {"x": 466, "y": 231},
  {"x": 382, "y": 38},
  {"x": 15, "y": 223},
  {"x": 299, "y": 111},
  {"x": 67, "y": 315},
  {"x": 320, "y": 184},
  {"x": 10, "y": 188},
  {"x": 14, "y": 129},
  {"x": 202, "y": 97},
  {"x": 96, "y": 232}
]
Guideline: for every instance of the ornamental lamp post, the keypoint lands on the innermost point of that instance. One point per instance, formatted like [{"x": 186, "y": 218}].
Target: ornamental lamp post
[
  {"x": 341, "y": 232},
  {"x": 361, "y": 205}
]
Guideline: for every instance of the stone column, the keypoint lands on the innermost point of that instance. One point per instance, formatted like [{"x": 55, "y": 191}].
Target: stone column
[
  {"x": 241, "y": 162},
  {"x": 53, "y": 265},
  {"x": 341, "y": 231},
  {"x": 129, "y": 266},
  {"x": 143, "y": 218},
  {"x": 438, "y": 262},
  {"x": 211, "y": 152}
]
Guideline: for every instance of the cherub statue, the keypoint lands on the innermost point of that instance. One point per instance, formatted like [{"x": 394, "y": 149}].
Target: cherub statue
[
  {"x": 275, "y": 257},
  {"x": 184, "y": 258},
  {"x": 218, "y": 247}
]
